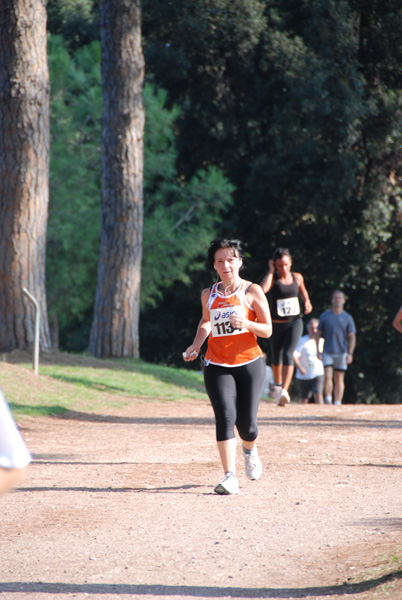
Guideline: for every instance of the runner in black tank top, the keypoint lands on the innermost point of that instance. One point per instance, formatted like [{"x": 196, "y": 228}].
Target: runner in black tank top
[{"x": 284, "y": 288}]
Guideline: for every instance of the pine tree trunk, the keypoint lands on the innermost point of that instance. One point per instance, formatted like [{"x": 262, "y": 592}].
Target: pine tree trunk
[
  {"x": 24, "y": 170},
  {"x": 116, "y": 316}
]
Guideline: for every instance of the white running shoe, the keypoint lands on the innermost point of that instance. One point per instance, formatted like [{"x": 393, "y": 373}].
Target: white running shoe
[
  {"x": 252, "y": 464},
  {"x": 284, "y": 398},
  {"x": 276, "y": 392},
  {"x": 228, "y": 485}
]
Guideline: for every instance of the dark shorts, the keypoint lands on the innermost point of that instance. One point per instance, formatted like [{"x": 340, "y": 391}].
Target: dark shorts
[{"x": 307, "y": 387}]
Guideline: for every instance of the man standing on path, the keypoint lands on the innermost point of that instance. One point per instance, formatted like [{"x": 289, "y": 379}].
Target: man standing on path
[{"x": 338, "y": 329}]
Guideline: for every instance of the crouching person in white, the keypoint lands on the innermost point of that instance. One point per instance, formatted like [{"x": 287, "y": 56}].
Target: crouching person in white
[{"x": 310, "y": 370}]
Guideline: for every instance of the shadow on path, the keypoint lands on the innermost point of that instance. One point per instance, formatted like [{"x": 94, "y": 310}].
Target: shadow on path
[
  {"x": 328, "y": 421},
  {"x": 147, "y": 490},
  {"x": 287, "y": 421},
  {"x": 196, "y": 591}
]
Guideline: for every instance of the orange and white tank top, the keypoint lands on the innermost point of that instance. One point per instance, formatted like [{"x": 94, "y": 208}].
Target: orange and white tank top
[{"x": 227, "y": 346}]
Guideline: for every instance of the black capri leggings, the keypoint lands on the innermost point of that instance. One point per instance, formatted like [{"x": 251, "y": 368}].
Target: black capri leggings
[
  {"x": 284, "y": 340},
  {"x": 235, "y": 394}
]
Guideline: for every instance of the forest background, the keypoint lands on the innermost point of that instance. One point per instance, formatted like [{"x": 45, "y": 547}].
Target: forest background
[{"x": 277, "y": 122}]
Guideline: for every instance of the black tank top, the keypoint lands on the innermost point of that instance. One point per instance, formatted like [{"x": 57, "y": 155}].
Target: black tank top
[{"x": 284, "y": 300}]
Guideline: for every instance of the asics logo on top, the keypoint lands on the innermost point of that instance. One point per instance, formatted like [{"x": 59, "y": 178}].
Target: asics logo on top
[{"x": 224, "y": 315}]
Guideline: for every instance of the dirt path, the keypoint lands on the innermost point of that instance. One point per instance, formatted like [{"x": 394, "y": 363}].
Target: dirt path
[{"x": 122, "y": 506}]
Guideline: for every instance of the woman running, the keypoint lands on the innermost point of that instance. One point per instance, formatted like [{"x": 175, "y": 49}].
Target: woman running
[
  {"x": 284, "y": 288},
  {"x": 234, "y": 313}
]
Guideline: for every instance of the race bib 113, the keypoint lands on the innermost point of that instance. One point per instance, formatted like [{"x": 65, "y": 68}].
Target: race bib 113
[{"x": 221, "y": 325}]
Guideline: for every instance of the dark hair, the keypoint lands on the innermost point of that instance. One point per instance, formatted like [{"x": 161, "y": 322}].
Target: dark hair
[
  {"x": 235, "y": 245},
  {"x": 279, "y": 252}
]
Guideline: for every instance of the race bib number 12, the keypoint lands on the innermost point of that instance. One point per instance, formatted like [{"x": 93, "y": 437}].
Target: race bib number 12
[{"x": 288, "y": 307}]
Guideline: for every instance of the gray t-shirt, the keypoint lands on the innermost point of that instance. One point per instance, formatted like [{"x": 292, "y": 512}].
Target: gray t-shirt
[{"x": 335, "y": 329}]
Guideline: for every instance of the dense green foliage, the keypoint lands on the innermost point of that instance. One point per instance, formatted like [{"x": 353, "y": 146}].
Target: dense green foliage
[
  {"x": 75, "y": 180},
  {"x": 300, "y": 105},
  {"x": 177, "y": 211}
]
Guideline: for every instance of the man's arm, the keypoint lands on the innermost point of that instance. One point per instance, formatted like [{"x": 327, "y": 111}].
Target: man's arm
[
  {"x": 351, "y": 347},
  {"x": 298, "y": 365}
]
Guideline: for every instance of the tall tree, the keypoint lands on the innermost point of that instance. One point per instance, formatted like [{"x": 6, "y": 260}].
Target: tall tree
[
  {"x": 114, "y": 330},
  {"x": 24, "y": 170}
]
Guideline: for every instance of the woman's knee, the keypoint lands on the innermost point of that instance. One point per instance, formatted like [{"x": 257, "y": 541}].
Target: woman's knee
[
  {"x": 288, "y": 359},
  {"x": 248, "y": 434},
  {"x": 225, "y": 429}
]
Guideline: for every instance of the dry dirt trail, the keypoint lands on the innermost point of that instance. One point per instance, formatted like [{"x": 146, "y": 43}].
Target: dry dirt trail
[{"x": 121, "y": 506}]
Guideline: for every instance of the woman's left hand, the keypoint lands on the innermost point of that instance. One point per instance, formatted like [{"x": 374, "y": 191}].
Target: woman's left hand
[{"x": 191, "y": 353}]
